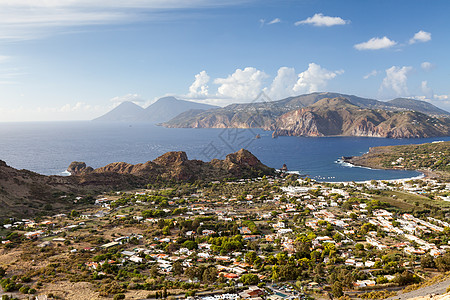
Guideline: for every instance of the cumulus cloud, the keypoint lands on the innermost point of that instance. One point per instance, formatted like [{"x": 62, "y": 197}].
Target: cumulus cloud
[
  {"x": 376, "y": 43},
  {"x": 320, "y": 20},
  {"x": 420, "y": 37},
  {"x": 427, "y": 66},
  {"x": 426, "y": 90},
  {"x": 283, "y": 84},
  {"x": 314, "y": 79},
  {"x": 371, "y": 74},
  {"x": 242, "y": 84},
  {"x": 396, "y": 80},
  {"x": 199, "y": 87},
  {"x": 245, "y": 85}
]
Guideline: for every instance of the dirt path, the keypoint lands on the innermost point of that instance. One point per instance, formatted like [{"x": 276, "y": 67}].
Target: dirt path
[{"x": 436, "y": 289}]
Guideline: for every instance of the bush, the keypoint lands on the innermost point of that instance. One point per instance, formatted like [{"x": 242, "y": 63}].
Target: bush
[{"x": 119, "y": 296}]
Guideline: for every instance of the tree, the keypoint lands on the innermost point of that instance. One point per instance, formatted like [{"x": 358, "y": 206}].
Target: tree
[
  {"x": 210, "y": 274},
  {"x": 250, "y": 257},
  {"x": 427, "y": 262},
  {"x": 177, "y": 268},
  {"x": 249, "y": 279},
  {"x": 154, "y": 271},
  {"x": 337, "y": 289},
  {"x": 443, "y": 262},
  {"x": 191, "y": 245},
  {"x": 74, "y": 214}
]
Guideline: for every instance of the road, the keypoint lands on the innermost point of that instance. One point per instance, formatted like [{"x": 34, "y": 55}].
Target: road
[{"x": 437, "y": 288}]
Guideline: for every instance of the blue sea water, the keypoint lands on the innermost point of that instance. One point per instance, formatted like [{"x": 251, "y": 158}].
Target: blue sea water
[{"x": 49, "y": 147}]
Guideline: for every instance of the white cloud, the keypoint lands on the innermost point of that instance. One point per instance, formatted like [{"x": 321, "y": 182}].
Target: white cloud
[
  {"x": 199, "y": 87},
  {"x": 376, "y": 44},
  {"x": 421, "y": 36},
  {"x": 426, "y": 90},
  {"x": 66, "y": 112},
  {"x": 320, "y": 20},
  {"x": 274, "y": 21},
  {"x": 396, "y": 80},
  {"x": 427, "y": 66},
  {"x": 441, "y": 97},
  {"x": 135, "y": 98},
  {"x": 371, "y": 74},
  {"x": 314, "y": 79},
  {"x": 283, "y": 84},
  {"x": 28, "y": 19},
  {"x": 243, "y": 84}
]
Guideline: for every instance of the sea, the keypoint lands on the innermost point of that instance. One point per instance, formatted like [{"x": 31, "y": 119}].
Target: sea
[{"x": 49, "y": 147}]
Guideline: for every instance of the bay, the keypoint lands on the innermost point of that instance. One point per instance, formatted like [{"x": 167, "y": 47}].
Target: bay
[{"x": 49, "y": 147}]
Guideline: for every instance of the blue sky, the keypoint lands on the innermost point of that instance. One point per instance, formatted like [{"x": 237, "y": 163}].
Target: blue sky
[{"x": 74, "y": 60}]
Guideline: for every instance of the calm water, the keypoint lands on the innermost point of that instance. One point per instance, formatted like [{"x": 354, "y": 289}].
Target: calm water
[{"x": 48, "y": 148}]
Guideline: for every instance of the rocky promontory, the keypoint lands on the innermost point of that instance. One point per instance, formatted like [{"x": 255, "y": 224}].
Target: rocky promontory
[{"x": 177, "y": 166}]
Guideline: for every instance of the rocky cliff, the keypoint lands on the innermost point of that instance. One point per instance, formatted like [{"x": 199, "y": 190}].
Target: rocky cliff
[{"x": 339, "y": 117}]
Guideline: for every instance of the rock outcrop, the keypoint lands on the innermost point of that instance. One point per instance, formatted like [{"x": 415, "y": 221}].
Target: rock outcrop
[
  {"x": 177, "y": 166},
  {"x": 25, "y": 193}
]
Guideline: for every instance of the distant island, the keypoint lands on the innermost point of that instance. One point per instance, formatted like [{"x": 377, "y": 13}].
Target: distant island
[
  {"x": 162, "y": 110},
  {"x": 431, "y": 158},
  {"x": 326, "y": 114}
]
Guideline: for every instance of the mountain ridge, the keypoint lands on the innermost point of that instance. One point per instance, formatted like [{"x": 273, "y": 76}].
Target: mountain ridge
[
  {"x": 339, "y": 117},
  {"x": 162, "y": 110},
  {"x": 265, "y": 115}
]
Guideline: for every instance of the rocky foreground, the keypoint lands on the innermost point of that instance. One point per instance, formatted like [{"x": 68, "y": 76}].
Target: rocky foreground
[{"x": 25, "y": 193}]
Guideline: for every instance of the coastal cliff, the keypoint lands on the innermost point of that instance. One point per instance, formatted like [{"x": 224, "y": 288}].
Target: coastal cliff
[
  {"x": 339, "y": 117},
  {"x": 326, "y": 114}
]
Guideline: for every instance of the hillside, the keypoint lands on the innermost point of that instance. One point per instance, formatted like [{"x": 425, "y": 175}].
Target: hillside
[
  {"x": 263, "y": 115},
  {"x": 417, "y": 105},
  {"x": 431, "y": 157},
  {"x": 162, "y": 110},
  {"x": 338, "y": 116},
  {"x": 25, "y": 193},
  {"x": 124, "y": 112}
]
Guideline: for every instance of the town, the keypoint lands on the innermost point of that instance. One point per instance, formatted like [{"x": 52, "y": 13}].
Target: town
[{"x": 275, "y": 238}]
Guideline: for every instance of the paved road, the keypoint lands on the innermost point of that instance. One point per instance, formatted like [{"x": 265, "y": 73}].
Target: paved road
[{"x": 438, "y": 288}]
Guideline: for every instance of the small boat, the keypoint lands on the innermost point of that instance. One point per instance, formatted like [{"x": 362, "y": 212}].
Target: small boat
[{"x": 257, "y": 137}]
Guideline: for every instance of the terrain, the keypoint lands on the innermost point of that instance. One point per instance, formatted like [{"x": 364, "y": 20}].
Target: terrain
[
  {"x": 325, "y": 114},
  {"x": 338, "y": 116},
  {"x": 25, "y": 193},
  {"x": 281, "y": 237},
  {"x": 162, "y": 110},
  {"x": 434, "y": 157}
]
